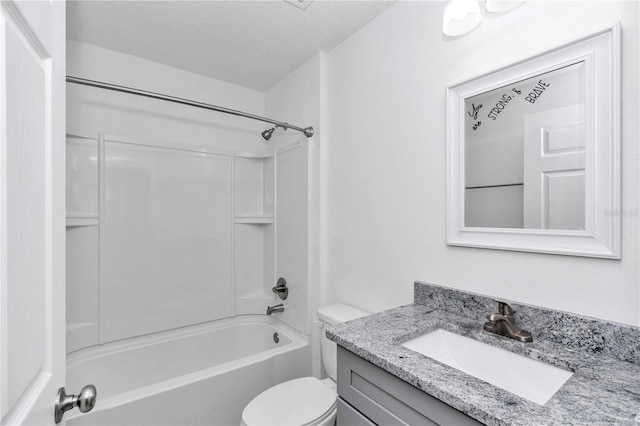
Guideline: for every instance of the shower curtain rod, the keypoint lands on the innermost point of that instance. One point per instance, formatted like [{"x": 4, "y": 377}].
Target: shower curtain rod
[{"x": 308, "y": 131}]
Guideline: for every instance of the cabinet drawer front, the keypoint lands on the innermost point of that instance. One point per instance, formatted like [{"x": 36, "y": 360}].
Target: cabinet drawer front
[
  {"x": 388, "y": 400},
  {"x": 349, "y": 416}
]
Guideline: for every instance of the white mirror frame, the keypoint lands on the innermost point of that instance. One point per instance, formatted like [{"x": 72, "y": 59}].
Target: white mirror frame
[{"x": 600, "y": 52}]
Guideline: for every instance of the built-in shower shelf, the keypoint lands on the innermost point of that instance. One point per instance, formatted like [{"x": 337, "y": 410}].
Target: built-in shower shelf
[
  {"x": 82, "y": 219},
  {"x": 254, "y": 219},
  {"x": 257, "y": 155}
]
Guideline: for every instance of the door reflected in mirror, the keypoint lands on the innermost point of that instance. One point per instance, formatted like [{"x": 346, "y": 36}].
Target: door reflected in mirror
[{"x": 525, "y": 153}]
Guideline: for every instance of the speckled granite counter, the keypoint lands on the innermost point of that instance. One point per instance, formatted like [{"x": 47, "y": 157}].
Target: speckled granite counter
[{"x": 604, "y": 389}]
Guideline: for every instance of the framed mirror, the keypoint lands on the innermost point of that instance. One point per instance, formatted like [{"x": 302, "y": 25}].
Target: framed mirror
[{"x": 533, "y": 152}]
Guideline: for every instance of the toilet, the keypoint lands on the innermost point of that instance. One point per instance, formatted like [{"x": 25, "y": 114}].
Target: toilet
[{"x": 306, "y": 401}]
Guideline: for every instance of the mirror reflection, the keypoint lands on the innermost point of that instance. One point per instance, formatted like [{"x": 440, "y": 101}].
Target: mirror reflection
[{"x": 524, "y": 153}]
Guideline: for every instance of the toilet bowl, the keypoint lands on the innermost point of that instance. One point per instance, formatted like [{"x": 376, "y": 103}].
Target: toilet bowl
[{"x": 306, "y": 401}]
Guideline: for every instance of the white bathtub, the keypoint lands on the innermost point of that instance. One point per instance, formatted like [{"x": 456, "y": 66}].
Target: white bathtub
[{"x": 203, "y": 374}]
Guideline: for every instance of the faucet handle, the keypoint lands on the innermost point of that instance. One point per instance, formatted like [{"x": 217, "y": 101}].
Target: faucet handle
[
  {"x": 281, "y": 288},
  {"x": 504, "y": 308}
]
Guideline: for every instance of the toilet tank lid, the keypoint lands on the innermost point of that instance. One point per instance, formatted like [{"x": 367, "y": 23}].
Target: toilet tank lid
[{"x": 339, "y": 313}]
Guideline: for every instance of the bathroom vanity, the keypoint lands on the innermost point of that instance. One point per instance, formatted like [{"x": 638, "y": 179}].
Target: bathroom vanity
[
  {"x": 370, "y": 395},
  {"x": 382, "y": 382}
]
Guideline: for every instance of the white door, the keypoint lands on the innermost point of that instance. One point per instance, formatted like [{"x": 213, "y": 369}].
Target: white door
[
  {"x": 554, "y": 169},
  {"x": 32, "y": 209}
]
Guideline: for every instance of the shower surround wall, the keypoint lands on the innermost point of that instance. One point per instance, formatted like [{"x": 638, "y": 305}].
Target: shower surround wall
[
  {"x": 297, "y": 97},
  {"x": 171, "y": 209}
]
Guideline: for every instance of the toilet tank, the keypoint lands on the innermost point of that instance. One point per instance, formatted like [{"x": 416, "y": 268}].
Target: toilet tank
[{"x": 334, "y": 314}]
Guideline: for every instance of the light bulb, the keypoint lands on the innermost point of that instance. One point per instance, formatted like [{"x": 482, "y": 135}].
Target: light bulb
[{"x": 460, "y": 17}]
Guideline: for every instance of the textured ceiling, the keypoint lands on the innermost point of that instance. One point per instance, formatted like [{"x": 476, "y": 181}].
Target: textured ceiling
[{"x": 250, "y": 43}]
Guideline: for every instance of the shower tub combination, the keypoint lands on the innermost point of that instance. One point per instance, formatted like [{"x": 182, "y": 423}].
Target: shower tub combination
[
  {"x": 203, "y": 374},
  {"x": 230, "y": 205}
]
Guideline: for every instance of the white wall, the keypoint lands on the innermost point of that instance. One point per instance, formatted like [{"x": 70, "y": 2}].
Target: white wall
[
  {"x": 384, "y": 144},
  {"x": 91, "y": 110}
]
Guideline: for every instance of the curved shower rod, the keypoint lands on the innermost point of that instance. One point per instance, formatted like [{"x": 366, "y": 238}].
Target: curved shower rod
[{"x": 308, "y": 131}]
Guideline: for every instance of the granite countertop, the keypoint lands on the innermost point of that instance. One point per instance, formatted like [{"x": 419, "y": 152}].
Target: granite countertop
[{"x": 602, "y": 390}]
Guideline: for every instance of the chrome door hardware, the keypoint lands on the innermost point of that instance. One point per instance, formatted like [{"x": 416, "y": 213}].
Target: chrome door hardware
[
  {"x": 85, "y": 401},
  {"x": 281, "y": 288}
]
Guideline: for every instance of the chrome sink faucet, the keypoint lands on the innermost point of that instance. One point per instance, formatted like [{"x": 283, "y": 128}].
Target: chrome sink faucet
[{"x": 503, "y": 323}]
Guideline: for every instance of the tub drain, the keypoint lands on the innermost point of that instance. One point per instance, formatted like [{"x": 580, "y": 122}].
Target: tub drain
[{"x": 276, "y": 338}]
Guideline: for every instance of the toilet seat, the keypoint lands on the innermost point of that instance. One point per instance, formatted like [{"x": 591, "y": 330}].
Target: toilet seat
[{"x": 305, "y": 401}]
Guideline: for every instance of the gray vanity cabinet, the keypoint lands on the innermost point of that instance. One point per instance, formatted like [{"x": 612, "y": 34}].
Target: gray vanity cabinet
[{"x": 368, "y": 395}]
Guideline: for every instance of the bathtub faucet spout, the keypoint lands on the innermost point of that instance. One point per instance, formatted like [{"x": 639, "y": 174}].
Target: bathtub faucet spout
[{"x": 275, "y": 308}]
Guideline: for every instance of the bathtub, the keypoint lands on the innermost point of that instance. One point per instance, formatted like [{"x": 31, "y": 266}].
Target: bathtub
[{"x": 204, "y": 374}]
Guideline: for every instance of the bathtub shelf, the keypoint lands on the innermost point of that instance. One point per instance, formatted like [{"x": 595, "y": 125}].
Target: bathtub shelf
[
  {"x": 76, "y": 221},
  {"x": 254, "y": 231},
  {"x": 254, "y": 187},
  {"x": 255, "y": 219}
]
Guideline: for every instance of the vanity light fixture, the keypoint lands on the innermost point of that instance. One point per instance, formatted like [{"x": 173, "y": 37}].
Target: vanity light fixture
[
  {"x": 500, "y": 6},
  {"x": 460, "y": 17},
  {"x": 463, "y": 16}
]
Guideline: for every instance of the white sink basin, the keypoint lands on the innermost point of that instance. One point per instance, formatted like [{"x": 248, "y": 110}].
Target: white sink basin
[{"x": 525, "y": 377}]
